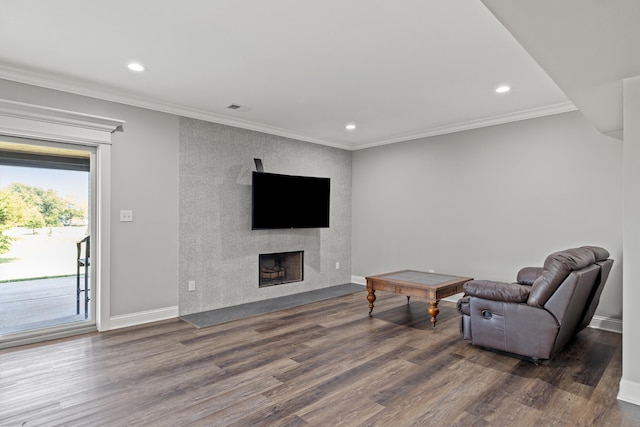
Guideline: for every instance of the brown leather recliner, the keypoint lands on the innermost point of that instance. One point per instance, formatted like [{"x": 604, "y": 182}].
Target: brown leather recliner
[{"x": 539, "y": 314}]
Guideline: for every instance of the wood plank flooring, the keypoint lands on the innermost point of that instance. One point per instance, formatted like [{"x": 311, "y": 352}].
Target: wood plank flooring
[{"x": 321, "y": 364}]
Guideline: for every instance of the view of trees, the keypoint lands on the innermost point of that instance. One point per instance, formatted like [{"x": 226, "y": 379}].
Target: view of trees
[{"x": 33, "y": 207}]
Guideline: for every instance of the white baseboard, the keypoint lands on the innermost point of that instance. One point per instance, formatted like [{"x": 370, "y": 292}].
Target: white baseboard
[
  {"x": 359, "y": 280},
  {"x": 454, "y": 298},
  {"x": 133, "y": 319},
  {"x": 629, "y": 392},
  {"x": 606, "y": 324}
]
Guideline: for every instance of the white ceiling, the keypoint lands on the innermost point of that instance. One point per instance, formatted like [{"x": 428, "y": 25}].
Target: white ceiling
[
  {"x": 587, "y": 46},
  {"x": 398, "y": 70}
]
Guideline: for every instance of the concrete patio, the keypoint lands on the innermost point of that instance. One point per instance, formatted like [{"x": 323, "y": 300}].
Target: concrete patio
[{"x": 40, "y": 303}]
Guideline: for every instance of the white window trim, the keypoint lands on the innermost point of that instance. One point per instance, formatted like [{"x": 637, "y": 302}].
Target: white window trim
[{"x": 22, "y": 120}]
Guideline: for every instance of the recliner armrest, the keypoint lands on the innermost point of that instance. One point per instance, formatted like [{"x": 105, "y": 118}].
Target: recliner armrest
[
  {"x": 497, "y": 291},
  {"x": 528, "y": 275}
]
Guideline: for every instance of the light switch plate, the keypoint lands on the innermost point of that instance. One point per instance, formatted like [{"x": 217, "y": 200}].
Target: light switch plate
[{"x": 126, "y": 216}]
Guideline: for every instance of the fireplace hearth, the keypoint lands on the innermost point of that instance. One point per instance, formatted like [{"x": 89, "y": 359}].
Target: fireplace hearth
[{"x": 279, "y": 268}]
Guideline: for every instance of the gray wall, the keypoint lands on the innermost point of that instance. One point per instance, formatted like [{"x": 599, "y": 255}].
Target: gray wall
[
  {"x": 630, "y": 382},
  {"x": 218, "y": 249},
  {"x": 144, "y": 160},
  {"x": 484, "y": 203}
]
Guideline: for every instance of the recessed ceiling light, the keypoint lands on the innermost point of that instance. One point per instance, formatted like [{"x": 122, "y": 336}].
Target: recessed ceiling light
[
  {"x": 350, "y": 126},
  {"x": 503, "y": 89},
  {"x": 135, "y": 66}
]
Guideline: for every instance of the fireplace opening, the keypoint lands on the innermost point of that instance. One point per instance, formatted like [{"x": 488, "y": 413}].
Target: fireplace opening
[{"x": 279, "y": 268}]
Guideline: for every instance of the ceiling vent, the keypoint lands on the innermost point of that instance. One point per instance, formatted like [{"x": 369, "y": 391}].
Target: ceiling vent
[{"x": 238, "y": 108}]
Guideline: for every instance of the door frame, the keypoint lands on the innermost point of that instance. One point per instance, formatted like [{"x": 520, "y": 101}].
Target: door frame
[{"x": 18, "y": 119}]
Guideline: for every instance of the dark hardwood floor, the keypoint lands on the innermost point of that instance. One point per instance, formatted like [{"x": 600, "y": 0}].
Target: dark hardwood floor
[{"x": 322, "y": 364}]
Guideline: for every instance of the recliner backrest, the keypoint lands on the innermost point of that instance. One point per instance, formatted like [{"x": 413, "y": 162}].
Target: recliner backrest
[
  {"x": 557, "y": 267},
  {"x": 605, "y": 269},
  {"x": 568, "y": 302}
]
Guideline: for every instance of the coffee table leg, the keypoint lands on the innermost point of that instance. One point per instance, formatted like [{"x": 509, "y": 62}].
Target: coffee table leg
[
  {"x": 433, "y": 311},
  {"x": 371, "y": 297}
]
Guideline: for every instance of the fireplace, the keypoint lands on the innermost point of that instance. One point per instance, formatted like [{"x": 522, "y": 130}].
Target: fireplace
[{"x": 279, "y": 268}]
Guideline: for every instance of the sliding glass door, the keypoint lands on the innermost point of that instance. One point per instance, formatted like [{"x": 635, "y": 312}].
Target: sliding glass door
[{"x": 46, "y": 238}]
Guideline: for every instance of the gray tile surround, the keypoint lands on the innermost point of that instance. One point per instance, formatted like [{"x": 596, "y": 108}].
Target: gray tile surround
[{"x": 217, "y": 247}]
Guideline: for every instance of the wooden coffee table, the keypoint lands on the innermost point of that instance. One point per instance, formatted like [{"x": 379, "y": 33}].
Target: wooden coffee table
[{"x": 411, "y": 283}]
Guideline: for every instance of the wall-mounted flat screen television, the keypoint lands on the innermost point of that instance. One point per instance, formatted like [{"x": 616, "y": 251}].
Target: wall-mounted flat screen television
[{"x": 287, "y": 201}]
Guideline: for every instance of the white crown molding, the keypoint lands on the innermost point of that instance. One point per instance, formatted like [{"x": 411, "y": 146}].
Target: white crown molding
[
  {"x": 87, "y": 89},
  {"x": 34, "y": 121},
  {"x": 56, "y": 115},
  {"x": 532, "y": 113},
  {"x": 617, "y": 134}
]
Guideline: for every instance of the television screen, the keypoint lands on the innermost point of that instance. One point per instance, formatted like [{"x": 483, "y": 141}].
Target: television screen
[{"x": 287, "y": 201}]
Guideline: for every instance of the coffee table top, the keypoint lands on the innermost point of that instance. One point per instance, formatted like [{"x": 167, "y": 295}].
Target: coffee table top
[{"x": 420, "y": 278}]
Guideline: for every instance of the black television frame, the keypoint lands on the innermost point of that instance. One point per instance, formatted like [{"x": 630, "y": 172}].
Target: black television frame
[{"x": 281, "y": 201}]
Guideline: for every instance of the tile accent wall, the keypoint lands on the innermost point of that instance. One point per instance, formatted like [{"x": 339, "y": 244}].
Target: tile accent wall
[{"x": 217, "y": 247}]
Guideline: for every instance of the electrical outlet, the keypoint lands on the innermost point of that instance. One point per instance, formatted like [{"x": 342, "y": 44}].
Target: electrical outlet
[
  {"x": 192, "y": 285},
  {"x": 126, "y": 216},
  {"x": 337, "y": 265}
]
